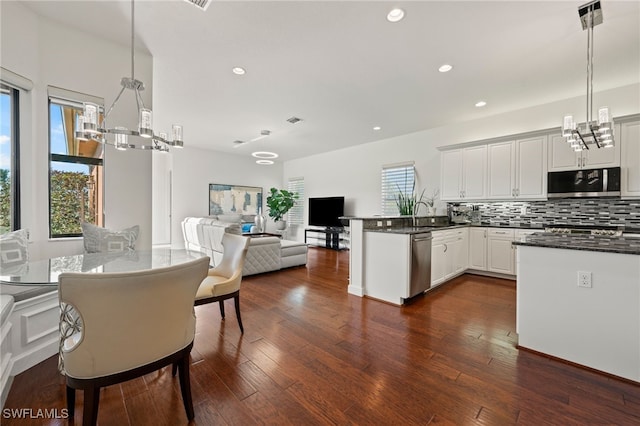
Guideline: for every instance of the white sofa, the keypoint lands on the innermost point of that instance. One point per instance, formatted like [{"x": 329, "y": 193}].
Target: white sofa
[{"x": 265, "y": 253}]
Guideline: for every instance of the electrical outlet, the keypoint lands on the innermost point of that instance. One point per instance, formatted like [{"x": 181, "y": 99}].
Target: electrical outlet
[
  {"x": 379, "y": 223},
  {"x": 584, "y": 279},
  {"x": 388, "y": 223}
]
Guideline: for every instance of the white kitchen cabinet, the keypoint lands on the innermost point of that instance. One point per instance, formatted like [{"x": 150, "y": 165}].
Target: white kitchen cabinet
[
  {"x": 438, "y": 259},
  {"x": 562, "y": 157},
  {"x": 517, "y": 169},
  {"x": 628, "y": 138},
  {"x": 478, "y": 248},
  {"x": 520, "y": 235},
  {"x": 500, "y": 254},
  {"x": 449, "y": 254},
  {"x": 464, "y": 173}
]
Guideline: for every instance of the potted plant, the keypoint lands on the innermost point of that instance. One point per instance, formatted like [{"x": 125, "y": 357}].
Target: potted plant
[
  {"x": 430, "y": 201},
  {"x": 280, "y": 202},
  {"x": 408, "y": 204}
]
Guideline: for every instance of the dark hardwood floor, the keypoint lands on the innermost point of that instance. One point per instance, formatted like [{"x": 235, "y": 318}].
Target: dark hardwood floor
[{"x": 312, "y": 354}]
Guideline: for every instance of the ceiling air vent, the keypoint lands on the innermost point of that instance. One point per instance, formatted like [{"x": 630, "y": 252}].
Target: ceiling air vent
[
  {"x": 200, "y": 4},
  {"x": 294, "y": 120}
]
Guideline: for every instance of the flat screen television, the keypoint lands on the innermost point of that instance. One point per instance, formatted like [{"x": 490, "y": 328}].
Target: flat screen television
[{"x": 326, "y": 211}]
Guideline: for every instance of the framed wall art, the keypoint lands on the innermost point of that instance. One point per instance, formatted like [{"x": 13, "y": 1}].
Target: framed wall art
[{"x": 234, "y": 199}]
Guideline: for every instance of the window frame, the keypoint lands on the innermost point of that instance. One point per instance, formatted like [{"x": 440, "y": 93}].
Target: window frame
[
  {"x": 388, "y": 193},
  {"x": 14, "y": 197},
  {"x": 54, "y": 97},
  {"x": 296, "y": 213}
]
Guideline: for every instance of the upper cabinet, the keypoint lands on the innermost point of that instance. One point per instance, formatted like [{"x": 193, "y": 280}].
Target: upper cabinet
[
  {"x": 464, "y": 174},
  {"x": 518, "y": 169},
  {"x": 628, "y": 137},
  {"x": 563, "y": 157}
]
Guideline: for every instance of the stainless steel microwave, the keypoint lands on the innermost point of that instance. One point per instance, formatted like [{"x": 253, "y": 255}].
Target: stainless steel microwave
[{"x": 584, "y": 183}]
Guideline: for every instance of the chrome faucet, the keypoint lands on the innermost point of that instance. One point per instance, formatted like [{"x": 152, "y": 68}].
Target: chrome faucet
[{"x": 416, "y": 207}]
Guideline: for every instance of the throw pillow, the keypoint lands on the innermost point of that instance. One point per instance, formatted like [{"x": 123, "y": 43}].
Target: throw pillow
[
  {"x": 14, "y": 248},
  {"x": 103, "y": 240}
]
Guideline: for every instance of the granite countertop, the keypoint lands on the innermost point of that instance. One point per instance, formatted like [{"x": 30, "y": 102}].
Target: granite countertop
[
  {"x": 623, "y": 245},
  {"x": 413, "y": 229}
]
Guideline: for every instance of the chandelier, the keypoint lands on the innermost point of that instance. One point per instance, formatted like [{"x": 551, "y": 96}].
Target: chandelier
[
  {"x": 595, "y": 132},
  {"x": 90, "y": 126}
]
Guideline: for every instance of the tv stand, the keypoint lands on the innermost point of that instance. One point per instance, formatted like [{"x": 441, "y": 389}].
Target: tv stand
[{"x": 329, "y": 237}]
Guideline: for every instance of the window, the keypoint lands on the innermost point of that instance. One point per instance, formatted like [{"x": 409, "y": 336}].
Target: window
[
  {"x": 296, "y": 214},
  {"x": 9, "y": 160},
  {"x": 396, "y": 178},
  {"x": 75, "y": 172}
]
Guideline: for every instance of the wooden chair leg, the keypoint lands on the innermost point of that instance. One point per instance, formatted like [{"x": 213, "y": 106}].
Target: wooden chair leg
[
  {"x": 71, "y": 401},
  {"x": 236, "y": 302},
  {"x": 221, "y": 302},
  {"x": 185, "y": 386},
  {"x": 90, "y": 411}
]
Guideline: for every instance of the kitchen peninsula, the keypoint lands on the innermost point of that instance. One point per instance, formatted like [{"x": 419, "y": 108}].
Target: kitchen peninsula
[
  {"x": 390, "y": 256},
  {"x": 578, "y": 299}
]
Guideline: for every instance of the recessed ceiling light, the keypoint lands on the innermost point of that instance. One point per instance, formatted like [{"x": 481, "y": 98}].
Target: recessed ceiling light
[
  {"x": 377, "y": 128},
  {"x": 395, "y": 15},
  {"x": 239, "y": 70},
  {"x": 445, "y": 68},
  {"x": 264, "y": 162},
  {"x": 264, "y": 154},
  {"x": 480, "y": 104}
]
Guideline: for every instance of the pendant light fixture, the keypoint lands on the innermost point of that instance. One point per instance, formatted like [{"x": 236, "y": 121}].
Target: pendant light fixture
[
  {"x": 599, "y": 131},
  {"x": 91, "y": 127}
]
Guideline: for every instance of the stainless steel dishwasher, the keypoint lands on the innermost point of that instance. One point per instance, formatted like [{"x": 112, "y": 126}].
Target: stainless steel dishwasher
[{"x": 420, "y": 263}]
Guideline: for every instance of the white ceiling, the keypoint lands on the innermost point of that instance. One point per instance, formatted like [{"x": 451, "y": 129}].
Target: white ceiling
[{"x": 343, "y": 69}]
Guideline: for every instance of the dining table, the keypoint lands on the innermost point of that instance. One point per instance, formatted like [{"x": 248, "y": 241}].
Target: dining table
[{"x": 45, "y": 272}]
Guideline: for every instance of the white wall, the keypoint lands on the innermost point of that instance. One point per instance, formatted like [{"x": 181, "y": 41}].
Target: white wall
[
  {"x": 49, "y": 54},
  {"x": 355, "y": 172},
  {"x": 194, "y": 169}
]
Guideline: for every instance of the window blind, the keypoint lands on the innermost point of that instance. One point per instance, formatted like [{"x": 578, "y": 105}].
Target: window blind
[
  {"x": 396, "y": 178},
  {"x": 296, "y": 214}
]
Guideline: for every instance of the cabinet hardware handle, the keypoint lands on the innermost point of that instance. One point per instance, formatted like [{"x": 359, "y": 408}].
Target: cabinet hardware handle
[{"x": 445, "y": 248}]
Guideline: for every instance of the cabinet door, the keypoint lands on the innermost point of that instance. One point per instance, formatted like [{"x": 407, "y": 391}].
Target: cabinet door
[
  {"x": 531, "y": 168},
  {"x": 561, "y": 155},
  {"x": 474, "y": 172},
  {"x": 438, "y": 262},
  {"x": 596, "y": 158},
  {"x": 478, "y": 248},
  {"x": 499, "y": 252},
  {"x": 451, "y": 175},
  {"x": 500, "y": 170},
  {"x": 461, "y": 251},
  {"x": 629, "y": 140},
  {"x": 520, "y": 235}
]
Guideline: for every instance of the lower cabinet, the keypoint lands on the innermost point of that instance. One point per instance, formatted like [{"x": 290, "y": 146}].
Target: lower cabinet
[
  {"x": 491, "y": 249},
  {"x": 449, "y": 254},
  {"x": 499, "y": 251},
  {"x": 478, "y": 248}
]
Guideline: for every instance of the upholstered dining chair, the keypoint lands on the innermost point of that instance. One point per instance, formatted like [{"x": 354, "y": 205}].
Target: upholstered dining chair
[
  {"x": 118, "y": 326},
  {"x": 223, "y": 281}
]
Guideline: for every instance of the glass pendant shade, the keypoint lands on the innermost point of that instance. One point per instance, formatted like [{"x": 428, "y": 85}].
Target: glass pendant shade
[
  {"x": 90, "y": 114},
  {"x": 145, "y": 123},
  {"x": 176, "y": 133},
  {"x": 121, "y": 140},
  {"x": 80, "y": 134}
]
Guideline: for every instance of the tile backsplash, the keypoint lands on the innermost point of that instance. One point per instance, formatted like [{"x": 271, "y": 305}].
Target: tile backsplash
[{"x": 593, "y": 212}]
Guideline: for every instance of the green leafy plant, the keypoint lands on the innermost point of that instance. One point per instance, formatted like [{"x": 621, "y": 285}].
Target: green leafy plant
[
  {"x": 408, "y": 203},
  {"x": 280, "y": 202}
]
